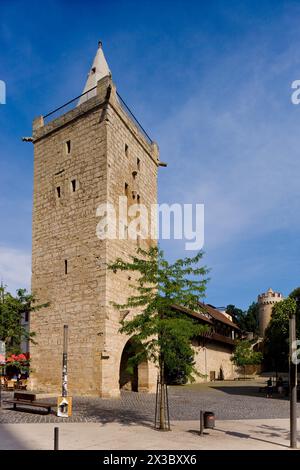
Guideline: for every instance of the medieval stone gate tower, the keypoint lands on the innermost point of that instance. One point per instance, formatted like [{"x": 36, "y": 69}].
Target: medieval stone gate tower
[{"x": 87, "y": 156}]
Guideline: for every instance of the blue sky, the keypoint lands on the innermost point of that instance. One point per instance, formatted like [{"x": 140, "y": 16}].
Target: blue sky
[{"x": 211, "y": 82}]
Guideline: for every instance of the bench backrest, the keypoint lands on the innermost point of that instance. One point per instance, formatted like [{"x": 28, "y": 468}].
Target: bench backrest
[{"x": 24, "y": 396}]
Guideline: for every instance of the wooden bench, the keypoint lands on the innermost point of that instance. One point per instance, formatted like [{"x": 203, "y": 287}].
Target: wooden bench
[{"x": 28, "y": 399}]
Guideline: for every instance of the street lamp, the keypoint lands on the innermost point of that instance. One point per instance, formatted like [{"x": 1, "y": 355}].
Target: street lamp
[{"x": 293, "y": 379}]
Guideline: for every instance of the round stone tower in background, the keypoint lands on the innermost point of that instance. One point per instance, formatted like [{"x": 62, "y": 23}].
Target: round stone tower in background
[{"x": 265, "y": 303}]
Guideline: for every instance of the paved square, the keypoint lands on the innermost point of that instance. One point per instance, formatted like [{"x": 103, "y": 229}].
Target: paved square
[
  {"x": 245, "y": 419},
  {"x": 238, "y": 400}
]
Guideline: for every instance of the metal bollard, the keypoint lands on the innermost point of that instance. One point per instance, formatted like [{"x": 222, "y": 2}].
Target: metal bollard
[{"x": 56, "y": 437}]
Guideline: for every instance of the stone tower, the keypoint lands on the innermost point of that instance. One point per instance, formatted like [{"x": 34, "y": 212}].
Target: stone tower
[
  {"x": 266, "y": 302},
  {"x": 85, "y": 157}
]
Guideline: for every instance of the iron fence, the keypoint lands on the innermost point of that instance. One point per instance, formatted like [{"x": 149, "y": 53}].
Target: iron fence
[
  {"x": 70, "y": 105},
  {"x": 134, "y": 119},
  {"x": 86, "y": 96}
]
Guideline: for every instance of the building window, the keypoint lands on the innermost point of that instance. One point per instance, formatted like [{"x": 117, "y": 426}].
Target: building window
[
  {"x": 138, "y": 199},
  {"x": 58, "y": 192},
  {"x": 138, "y": 163},
  {"x": 73, "y": 185},
  {"x": 68, "y": 147},
  {"x": 66, "y": 266},
  {"x": 126, "y": 189},
  {"x": 126, "y": 150},
  {"x": 26, "y": 317}
]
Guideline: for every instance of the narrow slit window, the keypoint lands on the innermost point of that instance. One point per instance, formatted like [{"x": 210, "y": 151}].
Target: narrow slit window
[
  {"x": 74, "y": 185},
  {"x": 126, "y": 189},
  {"x": 138, "y": 198},
  {"x": 66, "y": 266},
  {"x": 58, "y": 192},
  {"x": 138, "y": 163},
  {"x": 68, "y": 146},
  {"x": 126, "y": 150}
]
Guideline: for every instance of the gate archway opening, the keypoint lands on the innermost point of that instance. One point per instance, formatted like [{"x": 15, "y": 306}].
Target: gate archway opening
[{"x": 133, "y": 377}]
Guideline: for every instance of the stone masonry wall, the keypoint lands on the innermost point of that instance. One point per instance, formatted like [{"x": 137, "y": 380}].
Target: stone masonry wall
[
  {"x": 125, "y": 148},
  {"x": 213, "y": 358},
  {"x": 64, "y": 231}
]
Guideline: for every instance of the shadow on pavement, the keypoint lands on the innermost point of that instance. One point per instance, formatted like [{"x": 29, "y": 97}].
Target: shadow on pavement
[
  {"x": 250, "y": 437},
  {"x": 275, "y": 431},
  {"x": 197, "y": 433},
  {"x": 8, "y": 440},
  {"x": 104, "y": 412},
  {"x": 252, "y": 391}
]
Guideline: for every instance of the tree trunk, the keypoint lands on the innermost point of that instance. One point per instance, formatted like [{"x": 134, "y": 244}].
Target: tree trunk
[{"x": 162, "y": 405}]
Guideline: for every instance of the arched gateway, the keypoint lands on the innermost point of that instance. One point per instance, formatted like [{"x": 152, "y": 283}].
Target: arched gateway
[{"x": 140, "y": 378}]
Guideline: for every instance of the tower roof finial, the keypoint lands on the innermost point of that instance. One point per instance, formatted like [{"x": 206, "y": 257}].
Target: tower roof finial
[{"x": 98, "y": 70}]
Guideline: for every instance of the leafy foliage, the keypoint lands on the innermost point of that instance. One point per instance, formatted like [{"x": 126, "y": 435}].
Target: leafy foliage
[
  {"x": 244, "y": 355},
  {"x": 12, "y": 309},
  {"x": 295, "y": 294},
  {"x": 164, "y": 332},
  {"x": 236, "y": 313},
  {"x": 246, "y": 320},
  {"x": 276, "y": 344}
]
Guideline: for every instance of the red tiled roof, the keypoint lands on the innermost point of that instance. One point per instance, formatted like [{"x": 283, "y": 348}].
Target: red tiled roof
[
  {"x": 209, "y": 315},
  {"x": 217, "y": 315},
  {"x": 198, "y": 315},
  {"x": 208, "y": 311}
]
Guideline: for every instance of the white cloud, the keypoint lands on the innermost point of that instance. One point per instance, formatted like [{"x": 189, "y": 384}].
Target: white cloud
[
  {"x": 235, "y": 148},
  {"x": 15, "y": 268}
]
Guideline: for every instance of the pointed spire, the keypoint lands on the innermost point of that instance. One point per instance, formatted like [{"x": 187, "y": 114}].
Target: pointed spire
[{"x": 98, "y": 70}]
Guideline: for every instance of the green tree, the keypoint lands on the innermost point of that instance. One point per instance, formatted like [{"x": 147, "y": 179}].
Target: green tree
[
  {"x": 295, "y": 294},
  {"x": 252, "y": 318},
  {"x": 276, "y": 343},
  {"x": 237, "y": 314},
  {"x": 164, "y": 332},
  {"x": 12, "y": 309},
  {"x": 244, "y": 355},
  {"x": 246, "y": 320}
]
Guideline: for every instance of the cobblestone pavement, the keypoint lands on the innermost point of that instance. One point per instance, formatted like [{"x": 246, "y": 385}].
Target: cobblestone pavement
[{"x": 228, "y": 400}]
